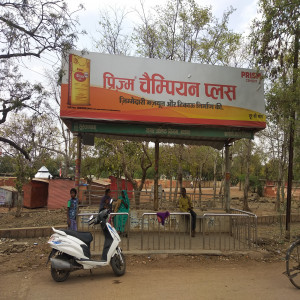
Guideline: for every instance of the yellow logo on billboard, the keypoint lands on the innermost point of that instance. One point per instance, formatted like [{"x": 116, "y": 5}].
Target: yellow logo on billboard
[{"x": 79, "y": 80}]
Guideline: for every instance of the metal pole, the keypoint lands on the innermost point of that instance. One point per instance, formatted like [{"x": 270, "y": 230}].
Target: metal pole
[
  {"x": 227, "y": 178},
  {"x": 292, "y": 131},
  {"x": 78, "y": 163},
  {"x": 290, "y": 179},
  {"x": 156, "y": 175}
]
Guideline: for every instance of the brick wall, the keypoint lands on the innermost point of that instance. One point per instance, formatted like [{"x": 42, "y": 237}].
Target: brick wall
[{"x": 8, "y": 181}]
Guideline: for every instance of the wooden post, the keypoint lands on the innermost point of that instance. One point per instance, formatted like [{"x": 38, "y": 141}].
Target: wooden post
[
  {"x": 227, "y": 178},
  {"x": 156, "y": 175}
]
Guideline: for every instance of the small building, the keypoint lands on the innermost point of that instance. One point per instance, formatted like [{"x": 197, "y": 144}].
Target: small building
[
  {"x": 36, "y": 193},
  {"x": 8, "y": 195}
]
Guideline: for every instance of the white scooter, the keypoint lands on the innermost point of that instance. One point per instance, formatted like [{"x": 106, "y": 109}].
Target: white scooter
[{"x": 71, "y": 250}]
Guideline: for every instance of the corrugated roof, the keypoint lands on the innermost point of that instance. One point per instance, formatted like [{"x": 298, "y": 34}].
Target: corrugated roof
[
  {"x": 41, "y": 179},
  {"x": 101, "y": 181},
  {"x": 8, "y": 188}
]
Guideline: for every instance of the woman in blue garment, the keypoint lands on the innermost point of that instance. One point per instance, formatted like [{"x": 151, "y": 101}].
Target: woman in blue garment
[{"x": 120, "y": 221}]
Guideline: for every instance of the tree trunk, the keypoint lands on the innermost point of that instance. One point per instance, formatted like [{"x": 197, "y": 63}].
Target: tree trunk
[
  {"x": 137, "y": 188},
  {"x": 19, "y": 204},
  {"x": 171, "y": 182},
  {"x": 179, "y": 173},
  {"x": 221, "y": 191},
  {"x": 278, "y": 191},
  {"x": 215, "y": 181},
  {"x": 200, "y": 181},
  {"x": 195, "y": 185},
  {"x": 282, "y": 190},
  {"x": 175, "y": 194},
  {"x": 118, "y": 187},
  {"x": 240, "y": 181},
  {"x": 137, "y": 198},
  {"x": 280, "y": 182},
  {"x": 89, "y": 192}
]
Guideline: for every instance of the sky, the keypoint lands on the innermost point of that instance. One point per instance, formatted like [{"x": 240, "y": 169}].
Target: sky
[{"x": 240, "y": 22}]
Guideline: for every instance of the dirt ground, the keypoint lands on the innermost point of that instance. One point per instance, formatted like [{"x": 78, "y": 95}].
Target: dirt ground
[
  {"x": 166, "y": 277},
  {"x": 25, "y": 276}
]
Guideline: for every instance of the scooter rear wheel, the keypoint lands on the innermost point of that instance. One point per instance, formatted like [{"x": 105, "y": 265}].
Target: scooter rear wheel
[
  {"x": 59, "y": 275},
  {"x": 117, "y": 265}
]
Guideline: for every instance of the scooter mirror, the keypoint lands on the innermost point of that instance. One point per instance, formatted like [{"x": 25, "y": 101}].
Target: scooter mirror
[{"x": 91, "y": 217}]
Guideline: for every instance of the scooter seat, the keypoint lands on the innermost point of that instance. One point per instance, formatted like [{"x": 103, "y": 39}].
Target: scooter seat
[{"x": 86, "y": 237}]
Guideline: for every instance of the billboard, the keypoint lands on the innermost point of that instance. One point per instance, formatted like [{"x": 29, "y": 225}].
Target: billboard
[{"x": 120, "y": 88}]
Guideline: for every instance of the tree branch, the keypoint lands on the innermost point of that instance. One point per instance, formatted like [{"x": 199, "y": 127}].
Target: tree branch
[{"x": 13, "y": 144}]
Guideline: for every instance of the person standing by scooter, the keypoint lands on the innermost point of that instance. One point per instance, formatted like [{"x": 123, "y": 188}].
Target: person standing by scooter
[{"x": 72, "y": 210}]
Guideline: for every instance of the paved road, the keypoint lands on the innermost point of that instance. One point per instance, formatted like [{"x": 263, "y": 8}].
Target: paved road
[{"x": 146, "y": 280}]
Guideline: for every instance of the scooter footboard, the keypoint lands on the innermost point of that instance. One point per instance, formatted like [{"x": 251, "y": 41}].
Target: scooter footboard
[{"x": 90, "y": 264}]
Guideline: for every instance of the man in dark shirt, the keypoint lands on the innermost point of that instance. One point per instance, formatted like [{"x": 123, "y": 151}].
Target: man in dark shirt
[{"x": 105, "y": 200}]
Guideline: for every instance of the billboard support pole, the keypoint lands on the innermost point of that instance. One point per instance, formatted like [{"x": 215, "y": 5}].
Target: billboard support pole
[
  {"x": 156, "y": 175},
  {"x": 227, "y": 178},
  {"x": 78, "y": 164}
]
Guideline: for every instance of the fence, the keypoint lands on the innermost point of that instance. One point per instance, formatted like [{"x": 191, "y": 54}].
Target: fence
[
  {"x": 170, "y": 236},
  {"x": 98, "y": 237},
  {"x": 167, "y": 200},
  {"x": 228, "y": 231},
  {"x": 214, "y": 231},
  {"x": 251, "y": 225}
]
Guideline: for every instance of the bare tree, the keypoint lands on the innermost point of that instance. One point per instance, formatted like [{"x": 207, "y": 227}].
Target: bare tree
[{"x": 29, "y": 29}]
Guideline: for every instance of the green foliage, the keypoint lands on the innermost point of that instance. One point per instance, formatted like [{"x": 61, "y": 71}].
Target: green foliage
[
  {"x": 23, "y": 171},
  {"x": 6, "y": 164},
  {"x": 53, "y": 165},
  {"x": 275, "y": 44},
  {"x": 238, "y": 168},
  {"x": 182, "y": 30},
  {"x": 273, "y": 37},
  {"x": 220, "y": 45},
  {"x": 255, "y": 184}
]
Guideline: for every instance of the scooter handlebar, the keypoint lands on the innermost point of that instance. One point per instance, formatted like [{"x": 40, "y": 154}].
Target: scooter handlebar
[
  {"x": 92, "y": 221},
  {"x": 99, "y": 218}
]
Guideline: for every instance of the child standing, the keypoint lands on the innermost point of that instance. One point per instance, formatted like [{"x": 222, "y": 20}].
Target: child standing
[{"x": 72, "y": 210}]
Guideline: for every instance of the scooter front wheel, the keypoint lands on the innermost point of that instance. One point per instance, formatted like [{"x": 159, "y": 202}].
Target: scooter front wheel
[{"x": 118, "y": 264}]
